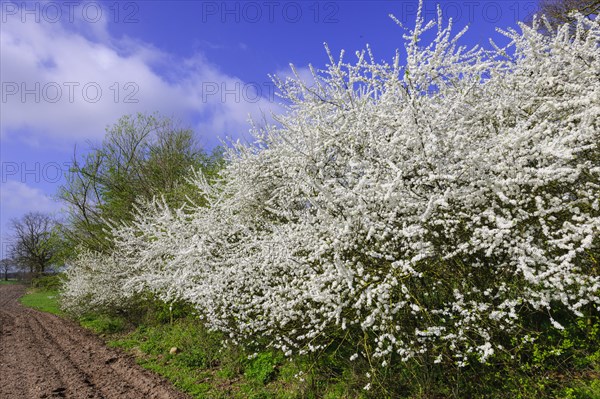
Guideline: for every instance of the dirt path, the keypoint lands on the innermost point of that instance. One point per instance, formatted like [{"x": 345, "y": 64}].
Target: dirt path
[{"x": 44, "y": 356}]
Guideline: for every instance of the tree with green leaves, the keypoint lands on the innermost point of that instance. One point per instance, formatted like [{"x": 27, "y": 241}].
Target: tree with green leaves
[{"x": 141, "y": 157}]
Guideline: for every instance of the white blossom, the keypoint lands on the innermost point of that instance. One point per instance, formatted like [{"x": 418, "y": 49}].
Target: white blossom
[{"x": 422, "y": 205}]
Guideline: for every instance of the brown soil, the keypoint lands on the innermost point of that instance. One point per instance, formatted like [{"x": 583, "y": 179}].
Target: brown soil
[{"x": 44, "y": 356}]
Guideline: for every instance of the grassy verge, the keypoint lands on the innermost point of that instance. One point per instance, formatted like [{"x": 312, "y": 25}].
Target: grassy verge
[
  {"x": 561, "y": 365},
  {"x": 10, "y": 281},
  {"x": 41, "y": 299},
  {"x": 193, "y": 359},
  {"x": 44, "y": 294}
]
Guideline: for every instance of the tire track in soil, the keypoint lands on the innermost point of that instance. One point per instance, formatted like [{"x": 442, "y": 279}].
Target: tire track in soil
[
  {"x": 9, "y": 374},
  {"x": 43, "y": 356},
  {"x": 60, "y": 360}
]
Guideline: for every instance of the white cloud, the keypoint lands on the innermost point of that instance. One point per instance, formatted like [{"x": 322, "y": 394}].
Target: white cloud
[
  {"x": 19, "y": 198},
  {"x": 66, "y": 81},
  {"x": 304, "y": 74}
]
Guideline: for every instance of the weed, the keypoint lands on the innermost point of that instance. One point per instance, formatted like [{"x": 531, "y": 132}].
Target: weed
[
  {"x": 262, "y": 368},
  {"x": 103, "y": 324}
]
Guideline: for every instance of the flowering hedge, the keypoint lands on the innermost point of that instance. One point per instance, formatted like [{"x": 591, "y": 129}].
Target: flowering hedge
[{"x": 418, "y": 208}]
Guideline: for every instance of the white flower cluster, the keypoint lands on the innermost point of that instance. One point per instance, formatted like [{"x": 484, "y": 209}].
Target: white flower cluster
[{"x": 417, "y": 207}]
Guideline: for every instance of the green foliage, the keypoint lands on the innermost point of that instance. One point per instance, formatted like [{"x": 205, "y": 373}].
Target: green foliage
[
  {"x": 262, "y": 368},
  {"x": 560, "y": 363},
  {"x": 142, "y": 157},
  {"x": 196, "y": 346},
  {"x": 584, "y": 390},
  {"x": 103, "y": 324},
  {"x": 557, "y": 363},
  {"x": 48, "y": 283},
  {"x": 156, "y": 312},
  {"x": 198, "y": 352}
]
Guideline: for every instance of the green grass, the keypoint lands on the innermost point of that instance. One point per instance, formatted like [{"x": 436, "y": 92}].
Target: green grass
[
  {"x": 584, "y": 390},
  {"x": 103, "y": 324},
  {"x": 44, "y": 300},
  {"x": 564, "y": 364},
  {"x": 203, "y": 368},
  {"x": 9, "y": 281},
  {"x": 561, "y": 364}
]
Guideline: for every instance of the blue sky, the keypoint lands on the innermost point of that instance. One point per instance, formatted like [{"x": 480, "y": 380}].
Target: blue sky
[{"x": 70, "y": 68}]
